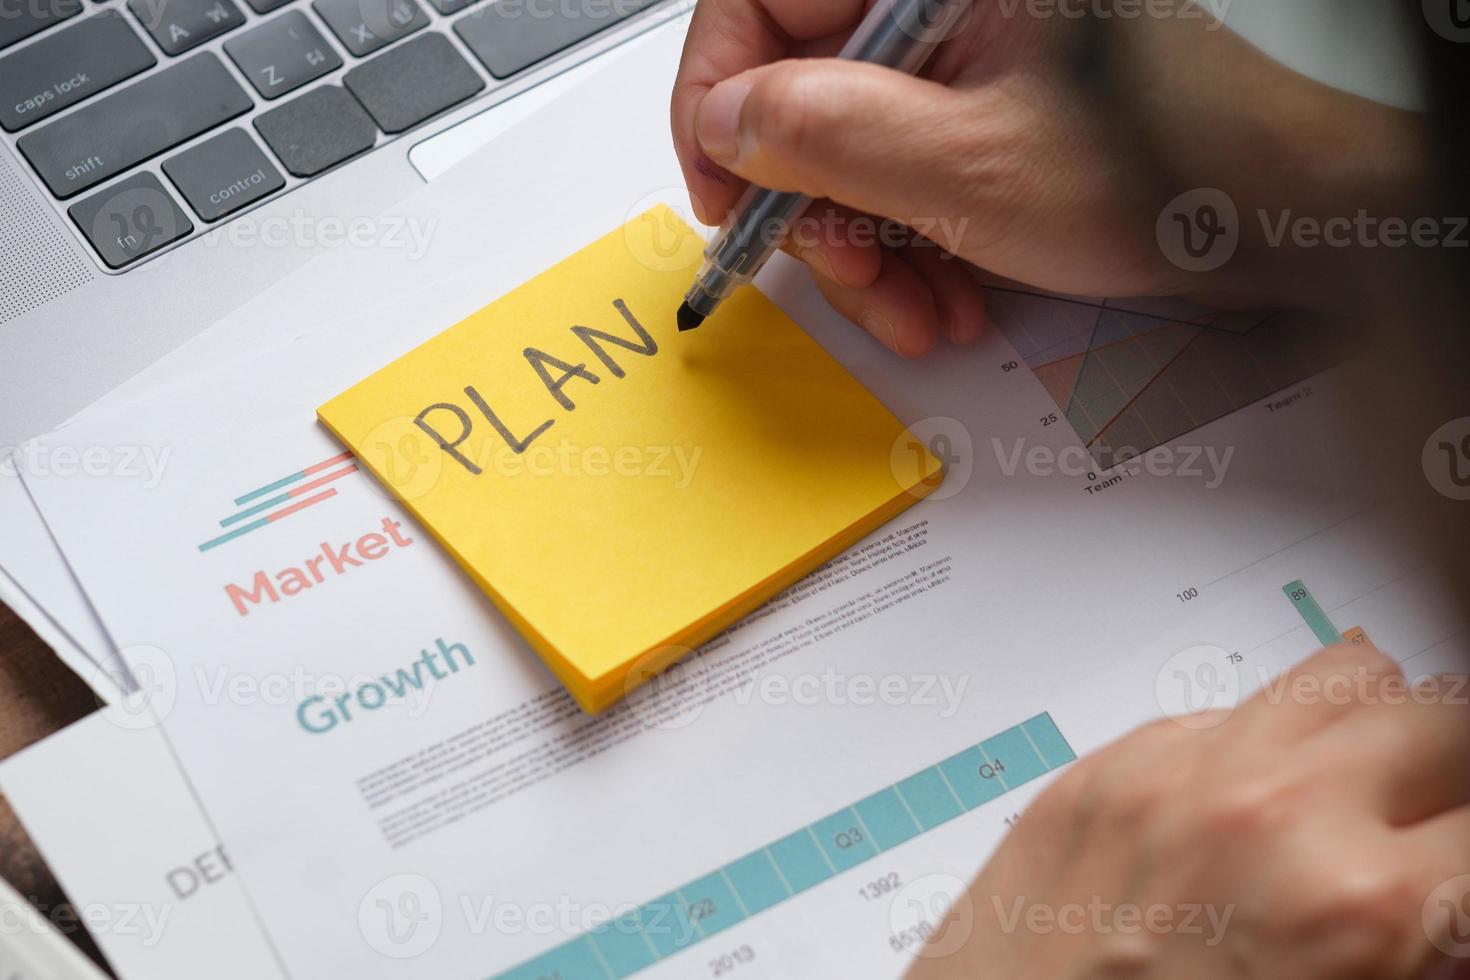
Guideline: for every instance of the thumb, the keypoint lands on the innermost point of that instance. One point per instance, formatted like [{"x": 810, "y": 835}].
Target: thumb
[{"x": 868, "y": 137}]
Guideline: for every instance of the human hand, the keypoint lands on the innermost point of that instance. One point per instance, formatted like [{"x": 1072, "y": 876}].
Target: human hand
[
  {"x": 1042, "y": 149},
  {"x": 1310, "y": 833}
]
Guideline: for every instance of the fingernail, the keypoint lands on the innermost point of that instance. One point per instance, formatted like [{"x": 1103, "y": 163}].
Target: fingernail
[
  {"x": 819, "y": 263},
  {"x": 950, "y": 325},
  {"x": 882, "y": 329},
  {"x": 701, "y": 212},
  {"x": 963, "y": 332},
  {"x": 717, "y": 125}
]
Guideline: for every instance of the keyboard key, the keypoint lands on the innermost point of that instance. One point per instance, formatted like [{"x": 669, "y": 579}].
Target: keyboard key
[
  {"x": 266, "y": 6},
  {"x": 364, "y": 26},
  {"x": 108, "y": 135},
  {"x": 282, "y": 55},
  {"x": 130, "y": 219},
  {"x": 317, "y": 130},
  {"x": 223, "y": 174},
  {"x": 407, "y": 85},
  {"x": 19, "y": 19},
  {"x": 43, "y": 78},
  {"x": 509, "y": 36},
  {"x": 178, "y": 25},
  {"x": 447, "y": 7}
]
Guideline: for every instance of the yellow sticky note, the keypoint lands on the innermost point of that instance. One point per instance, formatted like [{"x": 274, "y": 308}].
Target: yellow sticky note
[{"x": 623, "y": 491}]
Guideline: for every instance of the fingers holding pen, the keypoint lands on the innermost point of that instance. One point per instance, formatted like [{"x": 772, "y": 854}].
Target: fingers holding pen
[
  {"x": 831, "y": 240},
  {"x": 897, "y": 308},
  {"x": 727, "y": 38},
  {"x": 852, "y": 132},
  {"x": 958, "y": 300}
]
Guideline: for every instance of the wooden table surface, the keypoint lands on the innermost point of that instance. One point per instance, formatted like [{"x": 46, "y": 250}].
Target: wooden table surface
[{"x": 38, "y": 696}]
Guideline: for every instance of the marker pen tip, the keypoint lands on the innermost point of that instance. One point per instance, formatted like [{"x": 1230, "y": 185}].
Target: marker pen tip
[{"x": 688, "y": 318}]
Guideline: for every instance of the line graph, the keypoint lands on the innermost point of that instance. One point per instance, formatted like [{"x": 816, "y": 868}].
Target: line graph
[
  {"x": 1130, "y": 375},
  {"x": 288, "y": 490}
]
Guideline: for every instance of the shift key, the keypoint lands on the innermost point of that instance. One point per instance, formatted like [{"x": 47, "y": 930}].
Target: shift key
[{"x": 111, "y": 134}]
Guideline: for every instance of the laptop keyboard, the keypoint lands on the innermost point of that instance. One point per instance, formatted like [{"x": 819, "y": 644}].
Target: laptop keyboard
[{"x": 94, "y": 95}]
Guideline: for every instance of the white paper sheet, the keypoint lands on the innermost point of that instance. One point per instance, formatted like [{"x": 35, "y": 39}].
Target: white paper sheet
[{"x": 107, "y": 807}]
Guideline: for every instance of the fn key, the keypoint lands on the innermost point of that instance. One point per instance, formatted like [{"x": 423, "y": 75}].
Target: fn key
[{"x": 130, "y": 219}]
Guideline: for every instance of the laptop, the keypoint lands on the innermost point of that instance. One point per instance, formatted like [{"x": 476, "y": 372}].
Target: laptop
[{"x": 165, "y": 161}]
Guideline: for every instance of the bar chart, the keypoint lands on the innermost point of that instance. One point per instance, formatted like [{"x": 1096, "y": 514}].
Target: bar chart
[
  {"x": 763, "y": 879},
  {"x": 1317, "y": 619}
]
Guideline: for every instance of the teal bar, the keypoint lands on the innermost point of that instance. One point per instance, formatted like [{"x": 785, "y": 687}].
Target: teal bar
[
  {"x": 623, "y": 945},
  {"x": 246, "y": 529},
  {"x": 667, "y": 926},
  {"x": 847, "y": 838},
  {"x": 252, "y": 511},
  {"x": 284, "y": 481},
  {"x": 843, "y": 838},
  {"x": 964, "y": 773},
  {"x": 711, "y": 904},
  {"x": 576, "y": 960},
  {"x": 1301, "y": 598},
  {"x": 885, "y": 815},
  {"x": 756, "y": 881},
  {"x": 930, "y": 798},
  {"x": 1049, "y": 741},
  {"x": 1013, "y": 751},
  {"x": 800, "y": 860}
]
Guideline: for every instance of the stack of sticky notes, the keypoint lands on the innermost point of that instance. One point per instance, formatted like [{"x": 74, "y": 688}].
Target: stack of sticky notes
[{"x": 623, "y": 491}]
